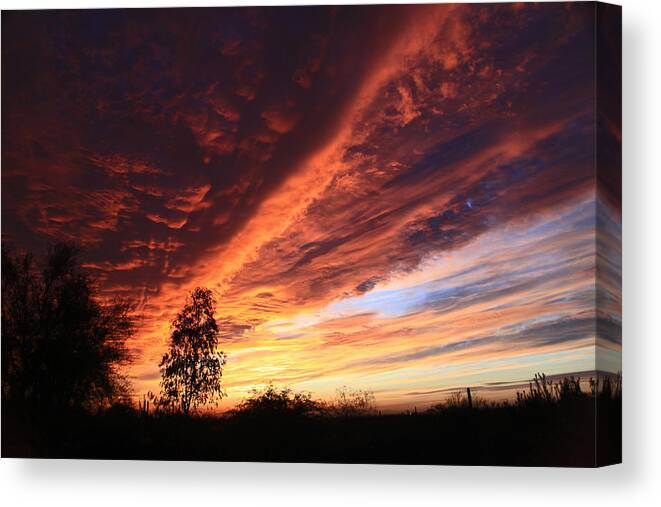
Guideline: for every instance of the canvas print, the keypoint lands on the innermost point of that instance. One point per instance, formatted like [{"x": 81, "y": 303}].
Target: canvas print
[{"x": 337, "y": 234}]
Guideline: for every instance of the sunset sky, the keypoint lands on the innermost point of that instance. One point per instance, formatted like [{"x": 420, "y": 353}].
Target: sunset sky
[{"x": 400, "y": 199}]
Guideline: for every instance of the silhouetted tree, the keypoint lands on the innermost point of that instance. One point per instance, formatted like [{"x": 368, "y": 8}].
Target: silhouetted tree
[
  {"x": 192, "y": 369},
  {"x": 61, "y": 348}
]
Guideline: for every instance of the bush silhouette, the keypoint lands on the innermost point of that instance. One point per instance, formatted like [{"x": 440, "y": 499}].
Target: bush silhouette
[
  {"x": 352, "y": 402},
  {"x": 273, "y": 401},
  {"x": 543, "y": 392}
]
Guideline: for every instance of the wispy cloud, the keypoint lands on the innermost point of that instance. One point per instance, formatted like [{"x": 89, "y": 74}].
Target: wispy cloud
[{"x": 395, "y": 197}]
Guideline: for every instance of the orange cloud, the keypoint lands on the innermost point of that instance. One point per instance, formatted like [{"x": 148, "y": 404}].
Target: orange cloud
[{"x": 399, "y": 198}]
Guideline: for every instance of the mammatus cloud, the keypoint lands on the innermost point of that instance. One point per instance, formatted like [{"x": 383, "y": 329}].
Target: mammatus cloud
[{"x": 393, "y": 197}]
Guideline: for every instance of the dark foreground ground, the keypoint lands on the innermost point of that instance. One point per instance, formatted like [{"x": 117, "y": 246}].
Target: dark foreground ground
[{"x": 580, "y": 434}]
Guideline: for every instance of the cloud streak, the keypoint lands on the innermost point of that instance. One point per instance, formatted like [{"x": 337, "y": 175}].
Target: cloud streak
[{"x": 394, "y": 197}]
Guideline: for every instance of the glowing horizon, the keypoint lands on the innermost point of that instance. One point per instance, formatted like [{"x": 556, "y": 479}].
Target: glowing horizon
[{"x": 394, "y": 198}]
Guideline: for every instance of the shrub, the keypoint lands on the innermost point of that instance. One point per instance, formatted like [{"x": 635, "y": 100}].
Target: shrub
[
  {"x": 352, "y": 402},
  {"x": 273, "y": 401}
]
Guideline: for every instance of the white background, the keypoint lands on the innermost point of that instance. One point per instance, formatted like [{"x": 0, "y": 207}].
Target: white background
[{"x": 636, "y": 482}]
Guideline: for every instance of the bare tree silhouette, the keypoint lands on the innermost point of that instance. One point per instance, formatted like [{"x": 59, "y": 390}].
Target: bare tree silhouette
[{"x": 191, "y": 372}]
